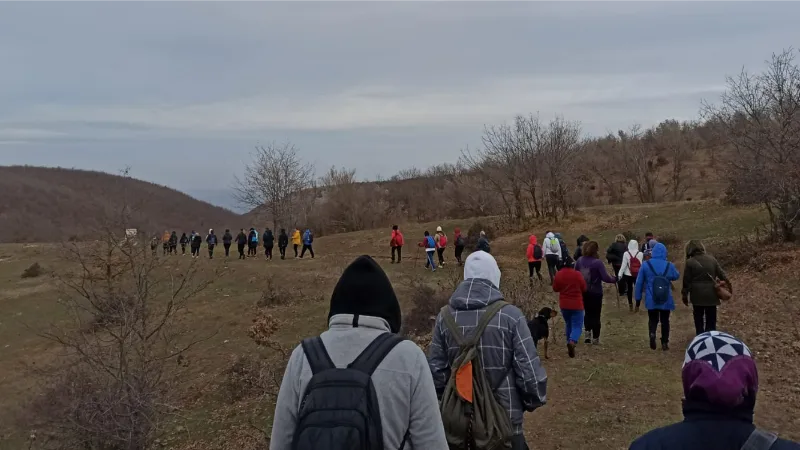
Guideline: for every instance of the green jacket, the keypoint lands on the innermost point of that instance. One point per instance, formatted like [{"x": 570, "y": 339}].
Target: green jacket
[{"x": 698, "y": 284}]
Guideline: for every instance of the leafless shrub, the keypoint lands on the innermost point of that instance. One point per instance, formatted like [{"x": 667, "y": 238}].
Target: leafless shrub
[
  {"x": 670, "y": 240},
  {"x": 426, "y": 300},
  {"x": 33, "y": 271},
  {"x": 274, "y": 294},
  {"x": 474, "y": 233},
  {"x": 250, "y": 376}
]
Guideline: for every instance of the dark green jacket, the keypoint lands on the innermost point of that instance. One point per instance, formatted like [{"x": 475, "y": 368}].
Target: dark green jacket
[{"x": 698, "y": 284}]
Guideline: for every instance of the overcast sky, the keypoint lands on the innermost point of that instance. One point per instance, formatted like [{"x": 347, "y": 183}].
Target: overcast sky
[{"x": 181, "y": 92}]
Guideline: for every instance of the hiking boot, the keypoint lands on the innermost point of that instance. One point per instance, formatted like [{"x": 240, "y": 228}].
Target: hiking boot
[
  {"x": 596, "y": 341},
  {"x": 588, "y": 339},
  {"x": 665, "y": 346},
  {"x": 652, "y": 341},
  {"x": 637, "y": 309},
  {"x": 571, "y": 349},
  {"x": 630, "y": 308}
]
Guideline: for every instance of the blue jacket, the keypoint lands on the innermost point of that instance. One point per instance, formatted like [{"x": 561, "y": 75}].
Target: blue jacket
[
  {"x": 307, "y": 239},
  {"x": 644, "y": 282},
  {"x": 705, "y": 428}
]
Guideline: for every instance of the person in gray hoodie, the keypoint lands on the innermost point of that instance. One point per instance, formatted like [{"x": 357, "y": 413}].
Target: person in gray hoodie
[
  {"x": 508, "y": 353},
  {"x": 364, "y": 306}
]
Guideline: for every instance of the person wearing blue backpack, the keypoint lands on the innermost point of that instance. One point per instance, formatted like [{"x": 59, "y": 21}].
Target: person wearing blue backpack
[
  {"x": 655, "y": 284},
  {"x": 430, "y": 248},
  {"x": 308, "y": 240}
]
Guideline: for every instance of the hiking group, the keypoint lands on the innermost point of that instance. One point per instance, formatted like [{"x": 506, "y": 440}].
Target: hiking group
[
  {"x": 249, "y": 240},
  {"x": 360, "y": 385},
  {"x": 435, "y": 246}
]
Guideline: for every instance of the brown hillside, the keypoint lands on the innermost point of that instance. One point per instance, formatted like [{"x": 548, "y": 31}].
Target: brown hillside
[{"x": 39, "y": 204}]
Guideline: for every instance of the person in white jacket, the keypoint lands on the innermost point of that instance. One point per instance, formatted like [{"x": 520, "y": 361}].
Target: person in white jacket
[
  {"x": 552, "y": 254},
  {"x": 630, "y": 270}
]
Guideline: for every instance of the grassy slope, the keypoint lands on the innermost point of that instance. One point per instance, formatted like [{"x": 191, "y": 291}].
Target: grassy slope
[{"x": 605, "y": 397}]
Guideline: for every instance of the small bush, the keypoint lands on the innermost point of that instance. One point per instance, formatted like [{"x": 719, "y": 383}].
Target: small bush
[
  {"x": 33, "y": 271},
  {"x": 273, "y": 294},
  {"x": 670, "y": 240},
  {"x": 474, "y": 232},
  {"x": 248, "y": 377},
  {"x": 427, "y": 300}
]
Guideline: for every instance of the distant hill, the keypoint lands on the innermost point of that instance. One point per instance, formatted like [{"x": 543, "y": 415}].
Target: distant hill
[{"x": 39, "y": 204}]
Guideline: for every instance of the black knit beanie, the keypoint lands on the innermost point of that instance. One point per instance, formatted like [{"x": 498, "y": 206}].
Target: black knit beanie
[{"x": 365, "y": 290}]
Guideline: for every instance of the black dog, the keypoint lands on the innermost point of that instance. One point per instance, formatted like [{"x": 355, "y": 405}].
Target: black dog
[{"x": 540, "y": 327}]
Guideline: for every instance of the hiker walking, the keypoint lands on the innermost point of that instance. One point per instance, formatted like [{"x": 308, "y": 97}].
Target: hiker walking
[
  {"x": 154, "y": 245},
  {"x": 614, "y": 254},
  {"x": 297, "y": 241},
  {"x": 211, "y": 240},
  {"x": 197, "y": 241},
  {"x": 483, "y": 243},
  {"x": 700, "y": 277},
  {"x": 308, "y": 241},
  {"x": 173, "y": 243},
  {"x": 579, "y": 249},
  {"x": 430, "y": 248},
  {"x": 441, "y": 244},
  {"x": 629, "y": 271},
  {"x": 647, "y": 246},
  {"x": 252, "y": 249},
  {"x": 269, "y": 244},
  {"x": 535, "y": 255},
  {"x": 165, "y": 243},
  {"x": 283, "y": 242},
  {"x": 718, "y": 405},
  {"x": 360, "y": 357},
  {"x": 595, "y": 274},
  {"x": 396, "y": 242},
  {"x": 552, "y": 254},
  {"x": 241, "y": 241},
  {"x": 571, "y": 287},
  {"x": 482, "y": 350},
  {"x": 227, "y": 239},
  {"x": 460, "y": 242},
  {"x": 655, "y": 284},
  {"x": 184, "y": 240}
]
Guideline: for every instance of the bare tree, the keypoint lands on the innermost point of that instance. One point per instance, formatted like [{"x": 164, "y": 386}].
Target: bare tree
[
  {"x": 759, "y": 117},
  {"x": 678, "y": 144},
  {"x": 123, "y": 345},
  {"x": 561, "y": 146},
  {"x": 272, "y": 179}
]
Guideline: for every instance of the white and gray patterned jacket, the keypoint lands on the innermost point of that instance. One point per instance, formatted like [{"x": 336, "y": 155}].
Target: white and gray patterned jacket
[{"x": 508, "y": 354}]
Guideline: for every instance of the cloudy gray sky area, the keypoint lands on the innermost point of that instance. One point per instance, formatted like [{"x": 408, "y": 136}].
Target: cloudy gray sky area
[{"x": 181, "y": 92}]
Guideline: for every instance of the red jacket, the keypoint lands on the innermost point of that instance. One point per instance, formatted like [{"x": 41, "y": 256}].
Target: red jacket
[
  {"x": 531, "y": 245},
  {"x": 570, "y": 285},
  {"x": 397, "y": 239}
]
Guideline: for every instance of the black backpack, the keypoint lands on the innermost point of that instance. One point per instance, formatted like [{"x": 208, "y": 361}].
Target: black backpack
[
  {"x": 339, "y": 410},
  {"x": 537, "y": 252}
]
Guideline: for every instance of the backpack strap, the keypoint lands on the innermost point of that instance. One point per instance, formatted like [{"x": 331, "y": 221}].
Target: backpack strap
[
  {"x": 666, "y": 270},
  {"x": 760, "y": 440},
  {"x": 487, "y": 316},
  {"x": 317, "y": 356},
  {"x": 452, "y": 326},
  {"x": 375, "y": 352},
  {"x": 650, "y": 265}
]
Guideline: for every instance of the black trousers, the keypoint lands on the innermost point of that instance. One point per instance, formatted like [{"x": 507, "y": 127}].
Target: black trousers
[
  {"x": 535, "y": 266},
  {"x": 252, "y": 249},
  {"x": 705, "y": 318},
  {"x": 552, "y": 266},
  {"x": 295, "y": 250},
  {"x": 195, "y": 251},
  {"x": 283, "y": 252},
  {"x": 518, "y": 442},
  {"x": 307, "y": 247},
  {"x": 399, "y": 251},
  {"x": 227, "y": 249},
  {"x": 593, "y": 307},
  {"x": 630, "y": 285},
  {"x": 459, "y": 252},
  {"x": 268, "y": 252},
  {"x": 440, "y": 252},
  {"x": 241, "y": 250},
  {"x": 659, "y": 315},
  {"x": 210, "y": 250},
  {"x": 183, "y": 249}
]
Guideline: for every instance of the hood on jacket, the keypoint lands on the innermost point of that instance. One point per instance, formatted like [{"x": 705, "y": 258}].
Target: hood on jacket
[
  {"x": 695, "y": 247},
  {"x": 438, "y": 229},
  {"x": 633, "y": 246},
  {"x": 364, "y": 289},
  {"x": 582, "y": 239},
  {"x": 457, "y": 231},
  {"x": 557, "y": 236},
  {"x": 474, "y": 293},
  {"x": 482, "y": 265},
  {"x": 550, "y": 236},
  {"x": 532, "y": 239},
  {"x": 660, "y": 252}
]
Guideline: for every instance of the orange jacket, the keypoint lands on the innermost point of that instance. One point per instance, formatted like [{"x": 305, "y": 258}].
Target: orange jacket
[
  {"x": 531, "y": 245},
  {"x": 397, "y": 239}
]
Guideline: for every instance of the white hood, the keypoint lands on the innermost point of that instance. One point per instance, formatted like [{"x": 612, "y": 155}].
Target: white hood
[
  {"x": 633, "y": 246},
  {"x": 482, "y": 265},
  {"x": 550, "y": 236}
]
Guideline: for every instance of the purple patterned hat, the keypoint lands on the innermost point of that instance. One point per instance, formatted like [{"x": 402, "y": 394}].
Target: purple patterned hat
[{"x": 719, "y": 369}]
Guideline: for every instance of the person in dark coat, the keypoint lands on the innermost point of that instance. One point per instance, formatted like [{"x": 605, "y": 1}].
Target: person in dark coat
[
  {"x": 184, "y": 240},
  {"x": 197, "y": 240},
  {"x": 579, "y": 249},
  {"x": 283, "y": 242},
  {"x": 269, "y": 244},
  {"x": 718, "y": 405},
  {"x": 226, "y": 242},
  {"x": 614, "y": 255},
  {"x": 241, "y": 241},
  {"x": 483, "y": 243},
  {"x": 699, "y": 281}
]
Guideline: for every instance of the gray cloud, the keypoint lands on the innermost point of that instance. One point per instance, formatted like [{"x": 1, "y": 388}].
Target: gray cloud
[{"x": 182, "y": 91}]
